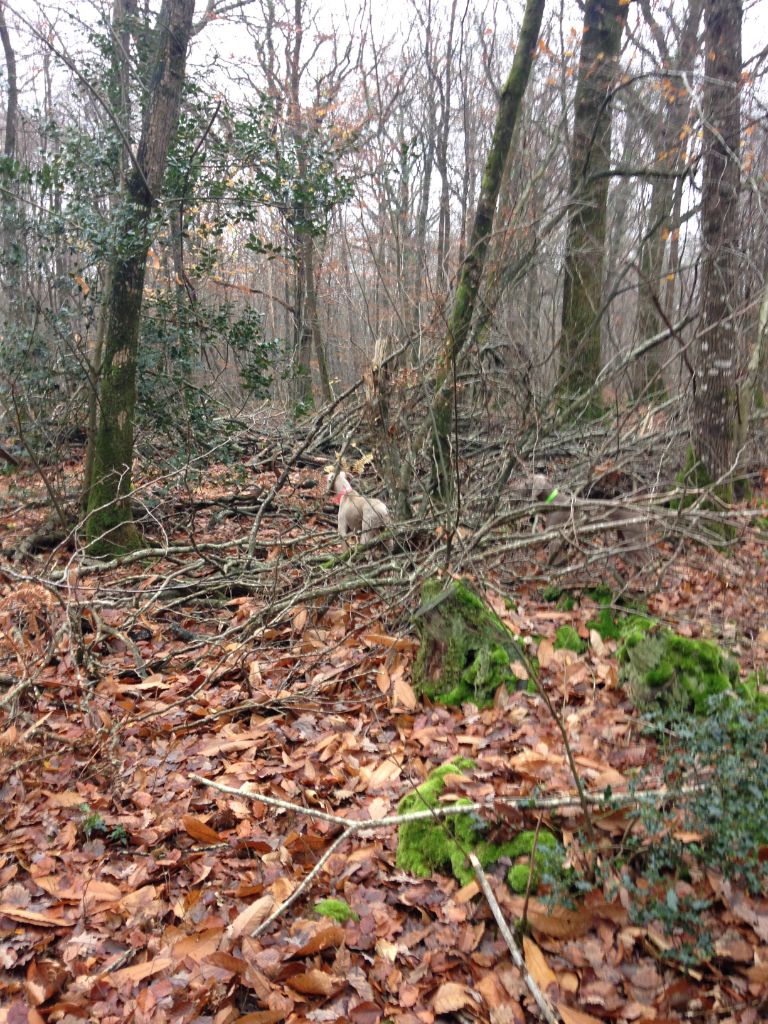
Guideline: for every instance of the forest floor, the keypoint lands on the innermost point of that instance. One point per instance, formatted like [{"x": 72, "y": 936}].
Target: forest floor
[{"x": 132, "y": 891}]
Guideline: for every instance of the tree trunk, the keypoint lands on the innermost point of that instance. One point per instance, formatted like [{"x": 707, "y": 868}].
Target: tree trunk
[
  {"x": 10, "y": 241},
  {"x": 715, "y": 406},
  {"x": 467, "y": 289},
  {"x": 110, "y": 520},
  {"x": 302, "y": 395},
  {"x": 441, "y": 158},
  {"x": 590, "y": 163},
  {"x": 670, "y": 156},
  {"x": 118, "y": 90},
  {"x": 313, "y": 317},
  {"x": 12, "y": 107}
]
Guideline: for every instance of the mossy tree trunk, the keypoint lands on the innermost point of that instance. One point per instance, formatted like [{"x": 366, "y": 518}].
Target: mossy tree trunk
[
  {"x": 110, "y": 523},
  {"x": 715, "y": 405},
  {"x": 468, "y": 287},
  {"x": 580, "y": 353}
]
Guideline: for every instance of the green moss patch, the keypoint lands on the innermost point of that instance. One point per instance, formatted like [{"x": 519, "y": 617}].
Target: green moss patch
[
  {"x": 442, "y": 844},
  {"x": 337, "y": 910},
  {"x": 466, "y": 650},
  {"x": 547, "y": 859},
  {"x": 661, "y": 668},
  {"x": 566, "y": 602},
  {"x": 567, "y": 639},
  {"x": 613, "y": 625}
]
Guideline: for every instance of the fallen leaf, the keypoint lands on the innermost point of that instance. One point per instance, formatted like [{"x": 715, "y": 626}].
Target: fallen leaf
[
  {"x": 34, "y": 917},
  {"x": 383, "y": 774},
  {"x": 137, "y": 972},
  {"x": 383, "y": 680},
  {"x": 451, "y": 997},
  {"x": 313, "y": 983},
  {"x": 561, "y": 923},
  {"x": 403, "y": 694},
  {"x": 317, "y": 936},
  {"x": 299, "y": 618},
  {"x": 397, "y": 643},
  {"x": 597, "y": 644},
  {"x": 66, "y": 799},
  {"x": 537, "y": 964},
  {"x": 602, "y": 994},
  {"x": 571, "y": 1016},
  {"x": 44, "y": 979},
  {"x": 365, "y": 1013},
  {"x": 248, "y": 920},
  {"x": 198, "y": 947},
  {"x": 545, "y": 653},
  {"x": 199, "y": 830},
  {"x": 758, "y": 974}
]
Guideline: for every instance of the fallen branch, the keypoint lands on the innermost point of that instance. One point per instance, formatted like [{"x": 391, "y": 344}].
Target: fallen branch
[{"x": 517, "y": 956}]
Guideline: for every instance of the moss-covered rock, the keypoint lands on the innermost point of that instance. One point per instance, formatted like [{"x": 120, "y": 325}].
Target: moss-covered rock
[
  {"x": 442, "y": 843},
  {"x": 661, "y": 668},
  {"x": 337, "y": 910},
  {"x": 466, "y": 650}
]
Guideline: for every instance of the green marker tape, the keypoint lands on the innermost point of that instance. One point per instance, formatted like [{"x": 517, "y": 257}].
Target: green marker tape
[{"x": 551, "y": 496}]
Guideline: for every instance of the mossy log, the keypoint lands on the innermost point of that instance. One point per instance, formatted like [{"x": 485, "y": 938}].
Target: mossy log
[
  {"x": 661, "y": 669},
  {"x": 466, "y": 650}
]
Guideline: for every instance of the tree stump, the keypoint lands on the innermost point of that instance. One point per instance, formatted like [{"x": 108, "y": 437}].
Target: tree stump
[{"x": 466, "y": 650}]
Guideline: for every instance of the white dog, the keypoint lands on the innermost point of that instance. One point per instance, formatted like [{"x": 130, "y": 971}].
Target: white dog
[{"x": 357, "y": 514}]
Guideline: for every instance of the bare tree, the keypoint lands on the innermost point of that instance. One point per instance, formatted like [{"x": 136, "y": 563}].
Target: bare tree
[
  {"x": 670, "y": 117},
  {"x": 590, "y": 165},
  {"x": 716, "y": 396},
  {"x": 470, "y": 275}
]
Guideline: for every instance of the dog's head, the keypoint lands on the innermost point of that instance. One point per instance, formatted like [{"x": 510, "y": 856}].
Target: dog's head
[{"x": 337, "y": 483}]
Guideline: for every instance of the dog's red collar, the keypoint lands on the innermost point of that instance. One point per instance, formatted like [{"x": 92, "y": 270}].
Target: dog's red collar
[{"x": 337, "y": 497}]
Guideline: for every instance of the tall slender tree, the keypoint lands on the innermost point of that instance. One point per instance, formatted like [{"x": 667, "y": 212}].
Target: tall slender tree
[
  {"x": 471, "y": 272},
  {"x": 110, "y": 521},
  {"x": 716, "y": 406},
  {"x": 8, "y": 221},
  {"x": 670, "y": 155},
  {"x": 580, "y": 354}
]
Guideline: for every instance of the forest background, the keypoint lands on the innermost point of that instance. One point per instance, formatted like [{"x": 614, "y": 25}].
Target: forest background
[{"x": 508, "y": 265}]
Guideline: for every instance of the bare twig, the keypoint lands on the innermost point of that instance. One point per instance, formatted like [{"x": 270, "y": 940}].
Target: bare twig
[{"x": 539, "y": 998}]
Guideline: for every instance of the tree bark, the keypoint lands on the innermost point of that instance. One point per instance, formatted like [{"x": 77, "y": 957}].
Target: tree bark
[
  {"x": 13, "y": 251},
  {"x": 110, "y": 521},
  {"x": 118, "y": 91},
  {"x": 313, "y": 317},
  {"x": 470, "y": 275},
  {"x": 670, "y": 157},
  {"x": 580, "y": 353},
  {"x": 12, "y": 103},
  {"x": 715, "y": 405}
]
